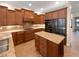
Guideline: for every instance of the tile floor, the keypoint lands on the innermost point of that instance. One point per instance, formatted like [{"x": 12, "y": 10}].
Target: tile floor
[
  {"x": 75, "y": 40},
  {"x": 28, "y": 50}
]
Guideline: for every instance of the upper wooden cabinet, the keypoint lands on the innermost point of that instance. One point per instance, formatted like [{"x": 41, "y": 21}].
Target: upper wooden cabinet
[
  {"x": 39, "y": 19},
  {"x": 42, "y": 19},
  {"x": 28, "y": 15},
  {"x": 55, "y": 15},
  {"x": 11, "y": 17},
  {"x": 36, "y": 19},
  {"x": 3, "y": 15},
  {"x": 18, "y": 17},
  {"x": 62, "y": 13},
  {"x": 47, "y": 16}
]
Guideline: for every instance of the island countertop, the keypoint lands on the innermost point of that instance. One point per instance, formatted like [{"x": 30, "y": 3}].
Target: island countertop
[{"x": 51, "y": 36}]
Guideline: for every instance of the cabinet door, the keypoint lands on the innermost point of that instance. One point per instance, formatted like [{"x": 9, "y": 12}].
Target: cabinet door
[
  {"x": 31, "y": 14},
  {"x": 11, "y": 17},
  {"x": 37, "y": 19},
  {"x": 55, "y": 15},
  {"x": 52, "y": 49},
  {"x": 20, "y": 37},
  {"x": 43, "y": 46},
  {"x": 3, "y": 15},
  {"x": 26, "y": 14},
  {"x": 42, "y": 18},
  {"x": 47, "y": 16},
  {"x": 18, "y": 17},
  {"x": 28, "y": 35},
  {"x": 62, "y": 13}
]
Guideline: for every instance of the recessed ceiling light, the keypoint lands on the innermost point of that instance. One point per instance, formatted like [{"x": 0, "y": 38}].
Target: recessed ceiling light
[
  {"x": 57, "y": 2},
  {"x": 41, "y": 9},
  {"x": 30, "y": 4}
]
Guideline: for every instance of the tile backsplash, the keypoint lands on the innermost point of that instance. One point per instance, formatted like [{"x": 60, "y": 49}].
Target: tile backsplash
[{"x": 11, "y": 27}]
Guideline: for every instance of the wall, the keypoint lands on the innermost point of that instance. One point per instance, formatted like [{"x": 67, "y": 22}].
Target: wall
[
  {"x": 76, "y": 14},
  {"x": 69, "y": 29}
]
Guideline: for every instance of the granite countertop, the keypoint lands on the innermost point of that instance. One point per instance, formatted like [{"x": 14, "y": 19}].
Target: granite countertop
[{"x": 51, "y": 36}]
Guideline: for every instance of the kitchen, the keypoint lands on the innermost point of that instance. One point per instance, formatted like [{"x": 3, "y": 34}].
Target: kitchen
[{"x": 21, "y": 27}]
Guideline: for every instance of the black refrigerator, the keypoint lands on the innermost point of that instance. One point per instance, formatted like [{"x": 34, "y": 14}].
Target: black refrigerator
[{"x": 57, "y": 26}]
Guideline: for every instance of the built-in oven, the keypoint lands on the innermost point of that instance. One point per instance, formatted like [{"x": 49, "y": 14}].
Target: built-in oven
[{"x": 4, "y": 45}]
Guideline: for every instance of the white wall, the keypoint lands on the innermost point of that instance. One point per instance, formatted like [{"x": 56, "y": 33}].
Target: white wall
[{"x": 76, "y": 14}]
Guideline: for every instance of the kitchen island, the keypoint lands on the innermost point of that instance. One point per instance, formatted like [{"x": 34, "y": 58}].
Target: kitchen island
[{"x": 49, "y": 44}]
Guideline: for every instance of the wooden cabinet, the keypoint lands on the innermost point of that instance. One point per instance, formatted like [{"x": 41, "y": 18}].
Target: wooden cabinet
[
  {"x": 18, "y": 37},
  {"x": 22, "y": 36},
  {"x": 55, "y": 15},
  {"x": 62, "y": 13},
  {"x": 47, "y": 16},
  {"x": 39, "y": 19},
  {"x": 28, "y": 15},
  {"x": 42, "y": 19},
  {"x": 18, "y": 17},
  {"x": 28, "y": 35},
  {"x": 11, "y": 17},
  {"x": 43, "y": 46},
  {"x": 40, "y": 44},
  {"x": 36, "y": 19},
  {"x": 55, "y": 50},
  {"x": 3, "y": 15},
  {"x": 48, "y": 48}
]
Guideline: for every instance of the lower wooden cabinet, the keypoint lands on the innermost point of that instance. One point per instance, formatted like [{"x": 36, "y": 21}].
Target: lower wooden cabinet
[
  {"x": 43, "y": 48},
  {"x": 22, "y": 36},
  {"x": 28, "y": 35},
  {"x": 55, "y": 50},
  {"x": 18, "y": 37},
  {"x": 47, "y": 48}
]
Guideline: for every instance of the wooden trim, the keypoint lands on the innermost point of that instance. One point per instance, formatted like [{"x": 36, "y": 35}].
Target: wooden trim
[
  {"x": 3, "y": 6},
  {"x": 11, "y": 10},
  {"x": 18, "y": 10},
  {"x": 26, "y": 10}
]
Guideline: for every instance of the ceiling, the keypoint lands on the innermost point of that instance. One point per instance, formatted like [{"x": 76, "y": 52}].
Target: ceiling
[
  {"x": 37, "y": 6},
  {"x": 74, "y": 6}
]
